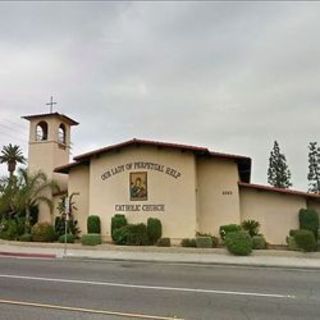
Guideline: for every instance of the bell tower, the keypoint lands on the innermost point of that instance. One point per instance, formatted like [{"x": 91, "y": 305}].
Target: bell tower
[{"x": 49, "y": 146}]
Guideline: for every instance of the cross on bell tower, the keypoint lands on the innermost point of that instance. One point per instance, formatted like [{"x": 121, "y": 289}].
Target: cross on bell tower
[{"x": 51, "y": 104}]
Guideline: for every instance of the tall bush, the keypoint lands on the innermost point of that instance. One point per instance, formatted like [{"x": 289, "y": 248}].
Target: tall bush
[
  {"x": 154, "y": 230},
  {"x": 93, "y": 224},
  {"x": 117, "y": 221},
  {"x": 309, "y": 220}
]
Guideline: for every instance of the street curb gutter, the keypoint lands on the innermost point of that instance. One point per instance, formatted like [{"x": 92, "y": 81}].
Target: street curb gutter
[
  {"x": 28, "y": 255},
  {"x": 202, "y": 263}
]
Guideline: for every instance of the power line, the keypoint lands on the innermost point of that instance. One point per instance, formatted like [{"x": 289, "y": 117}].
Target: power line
[
  {"x": 16, "y": 123},
  {"x": 12, "y": 137},
  {"x": 14, "y": 129}
]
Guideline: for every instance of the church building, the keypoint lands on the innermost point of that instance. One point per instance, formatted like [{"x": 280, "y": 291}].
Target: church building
[{"x": 189, "y": 188}]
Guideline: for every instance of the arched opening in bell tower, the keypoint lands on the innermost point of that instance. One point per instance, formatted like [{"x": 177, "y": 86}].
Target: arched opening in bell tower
[
  {"x": 62, "y": 134},
  {"x": 42, "y": 131}
]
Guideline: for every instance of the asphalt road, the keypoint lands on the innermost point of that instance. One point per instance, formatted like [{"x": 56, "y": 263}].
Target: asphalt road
[{"x": 41, "y": 289}]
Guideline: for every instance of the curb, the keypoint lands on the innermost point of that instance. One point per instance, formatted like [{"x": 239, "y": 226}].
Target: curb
[
  {"x": 194, "y": 263},
  {"x": 28, "y": 255}
]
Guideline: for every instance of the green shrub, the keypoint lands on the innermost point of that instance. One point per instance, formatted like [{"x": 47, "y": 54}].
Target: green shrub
[
  {"x": 120, "y": 235},
  {"x": 72, "y": 227},
  {"x": 239, "y": 243},
  {"x": 251, "y": 226},
  {"x": 292, "y": 245},
  {"x": 137, "y": 235},
  {"x": 188, "y": 243},
  {"x": 117, "y": 221},
  {"x": 292, "y": 232},
  {"x": 164, "y": 242},
  {"x": 224, "y": 230},
  {"x": 306, "y": 240},
  {"x": 91, "y": 239},
  {"x": 259, "y": 242},
  {"x": 154, "y": 230},
  {"x": 26, "y": 237},
  {"x": 203, "y": 242},
  {"x": 309, "y": 220},
  {"x": 9, "y": 230},
  {"x": 131, "y": 234},
  {"x": 69, "y": 237},
  {"x": 93, "y": 224},
  {"x": 215, "y": 240},
  {"x": 43, "y": 232}
]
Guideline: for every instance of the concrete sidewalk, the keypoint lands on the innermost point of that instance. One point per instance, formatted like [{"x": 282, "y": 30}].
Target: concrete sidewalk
[{"x": 265, "y": 258}]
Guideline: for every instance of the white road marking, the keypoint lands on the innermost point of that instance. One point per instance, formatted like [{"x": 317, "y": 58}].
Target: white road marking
[
  {"x": 85, "y": 310},
  {"x": 148, "y": 287}
]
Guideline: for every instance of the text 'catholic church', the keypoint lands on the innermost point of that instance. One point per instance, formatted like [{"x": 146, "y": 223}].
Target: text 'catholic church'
[{"x": 188, "y": 188}]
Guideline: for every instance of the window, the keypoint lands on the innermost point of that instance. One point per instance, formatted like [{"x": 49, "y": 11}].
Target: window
[
  {"x": 42, "y": 131},
  {"x": 62, "y": 134}
]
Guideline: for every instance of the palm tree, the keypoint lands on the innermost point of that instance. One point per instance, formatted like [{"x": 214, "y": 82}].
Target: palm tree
[
  {"x": 12, "y": 154},
  {"x": 33, "y": 190}
]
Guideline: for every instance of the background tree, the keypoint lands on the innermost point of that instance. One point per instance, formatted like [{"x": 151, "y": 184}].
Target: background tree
[
  {"x": 32, "y": 191},
  {"x": 279, "y": 174},
  {"x": 314, "y": 168},
  {"x": 11, "y": 155}
]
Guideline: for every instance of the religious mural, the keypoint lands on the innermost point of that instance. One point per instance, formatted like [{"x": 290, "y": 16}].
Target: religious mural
[{"x": 138, "y": 186}]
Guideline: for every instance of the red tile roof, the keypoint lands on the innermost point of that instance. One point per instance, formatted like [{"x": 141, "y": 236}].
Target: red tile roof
[
  {"x": 54, "y": 114},
  {"x": 244, "y": 163},
  {"x": 279, "y": 190},
  {"x": 199, "y": 150}
]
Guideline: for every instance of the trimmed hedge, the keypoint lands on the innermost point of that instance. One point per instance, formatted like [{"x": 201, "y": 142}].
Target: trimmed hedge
[
  {"x": 215, "y": 240},
  {"x": 131, "y": 234},
  {"x": 154, "y": 230},
  {"x": 259, "y": 242},
  {"x": 43, "y": 232},
  {"x": 239, "y": 243},
  {"x": 117, "y": 221},
  {"x": 292, "y": 245},
  {"x": 309, "y": 220},
  {"x": 203, "y": 242},
  {"x": 225, "y": 229},
  {"x": 69, "y": 237},
  {"x": 137, "y": 235},
  {"x": 120, "y": 235},
  {"x": 188, "y": 243},
  {"x": 292, "y": 232},
  {"x": 91, "y": 239},
  {"x": 306, "y": 240},
  {"x": 93, "y": 224},
  {"x": 164, "y": 242}
]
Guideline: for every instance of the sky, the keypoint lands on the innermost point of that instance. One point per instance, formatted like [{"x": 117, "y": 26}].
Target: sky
[{"x": 230, "y": 76}]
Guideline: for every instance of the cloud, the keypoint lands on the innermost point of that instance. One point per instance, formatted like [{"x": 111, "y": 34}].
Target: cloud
[{"x": 227, "y": 75}]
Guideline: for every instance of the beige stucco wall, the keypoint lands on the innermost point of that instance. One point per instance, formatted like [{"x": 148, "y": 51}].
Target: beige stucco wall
[
  {"x": 177, "y": 194},
  {"x": 277, "y": 213},
  {"x": 79, "y": 183},
  {"x": 218, "y": 194}
]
